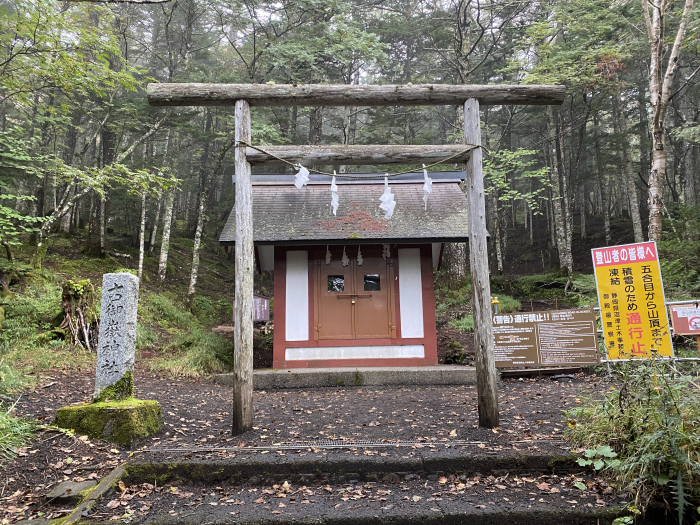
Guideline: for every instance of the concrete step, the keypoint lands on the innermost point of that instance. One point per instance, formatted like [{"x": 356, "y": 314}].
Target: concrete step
[
  {"x": 334, "y": 487},
  {"x": 335, "y": 466},
  {"x": 273, "y": 379}
]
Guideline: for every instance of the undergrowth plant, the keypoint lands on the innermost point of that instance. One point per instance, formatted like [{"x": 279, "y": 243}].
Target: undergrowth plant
[
  {"x": 465, "y": 324},
  {"x": 645, "y": 433},
  {"x": 190, "y": 350},
  {"x": 14, "y": 432}
]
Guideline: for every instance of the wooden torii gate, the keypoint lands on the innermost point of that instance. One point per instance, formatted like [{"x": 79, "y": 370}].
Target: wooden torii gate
[{"x": 243, "y": 96}]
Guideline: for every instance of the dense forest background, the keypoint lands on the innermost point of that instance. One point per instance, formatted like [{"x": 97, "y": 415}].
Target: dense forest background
[{"x": 82, "y": 153}]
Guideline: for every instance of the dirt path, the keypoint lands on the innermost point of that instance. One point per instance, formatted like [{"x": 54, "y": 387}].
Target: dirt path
[{"x": 197, "y": 415}]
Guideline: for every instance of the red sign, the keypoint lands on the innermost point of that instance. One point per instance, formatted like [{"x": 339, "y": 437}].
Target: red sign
[
  {"x": 261, "y": 308},
  {"x": 615, "y": 255},
  {"x": 685, "y": 319}
]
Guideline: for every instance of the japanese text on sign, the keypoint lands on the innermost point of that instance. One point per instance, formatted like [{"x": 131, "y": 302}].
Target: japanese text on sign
[
  {"x": 561, "y": 337},
  {"x": 631, "y": 298}
]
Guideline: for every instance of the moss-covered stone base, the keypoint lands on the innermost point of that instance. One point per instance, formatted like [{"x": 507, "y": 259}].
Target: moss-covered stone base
[
  {"x": 122, "y": 422},
  {"x": 122, "y": 389}
]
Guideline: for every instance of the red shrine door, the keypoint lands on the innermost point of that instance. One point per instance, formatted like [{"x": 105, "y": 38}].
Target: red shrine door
[{"x": 354, "y": 297}]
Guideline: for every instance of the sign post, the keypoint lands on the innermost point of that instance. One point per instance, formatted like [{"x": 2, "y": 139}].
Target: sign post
[{"x": 632, "y": 303}]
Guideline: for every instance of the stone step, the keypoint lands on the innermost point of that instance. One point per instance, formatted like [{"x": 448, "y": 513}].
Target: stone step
[
  {"x": 449, "y": 488},
  {"x": 335, "y": 466},
  {"x": 274, "y": 379}
]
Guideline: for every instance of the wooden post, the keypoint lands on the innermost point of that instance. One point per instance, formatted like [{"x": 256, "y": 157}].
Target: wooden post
[
  {"x": 243, "y": 318},
  {"x": 486, "y": 377}
]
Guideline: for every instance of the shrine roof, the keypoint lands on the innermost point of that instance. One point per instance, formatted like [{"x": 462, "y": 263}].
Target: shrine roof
[{"x": 285, "y": 215}]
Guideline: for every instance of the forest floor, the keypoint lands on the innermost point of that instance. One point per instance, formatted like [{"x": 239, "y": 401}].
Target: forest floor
[{"x": 197, "y": 417}]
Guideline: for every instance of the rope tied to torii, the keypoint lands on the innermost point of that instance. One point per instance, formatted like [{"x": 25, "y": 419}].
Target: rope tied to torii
[
  {"x": 297, "y": 165},
  {"x": 388, "y": 202}
]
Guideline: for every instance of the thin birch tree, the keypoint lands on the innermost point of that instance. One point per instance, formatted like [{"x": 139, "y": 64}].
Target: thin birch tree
[{"x": 660, "y": 87}]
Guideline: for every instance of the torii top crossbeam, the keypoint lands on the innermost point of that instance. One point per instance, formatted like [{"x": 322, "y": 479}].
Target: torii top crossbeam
[
  {"x": 470, "y": 96},
  {"x": 351, "y": 95}
]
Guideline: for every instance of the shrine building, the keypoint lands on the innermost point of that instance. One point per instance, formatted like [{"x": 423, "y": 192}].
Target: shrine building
[{"x": 353, "y": 289}]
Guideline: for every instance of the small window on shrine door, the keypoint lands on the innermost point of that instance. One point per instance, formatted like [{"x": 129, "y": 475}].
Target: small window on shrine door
[
  {"x": 336, "y": 283},
  {"x": 372, "y": 282}
]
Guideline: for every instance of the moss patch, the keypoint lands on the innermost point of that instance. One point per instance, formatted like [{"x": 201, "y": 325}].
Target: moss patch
[
  {"x": 121, "y": 390},
  {"x": 122, "y": 422}
]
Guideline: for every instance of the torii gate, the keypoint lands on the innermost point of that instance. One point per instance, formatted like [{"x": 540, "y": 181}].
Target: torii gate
[{"x": 242, "y": 96}]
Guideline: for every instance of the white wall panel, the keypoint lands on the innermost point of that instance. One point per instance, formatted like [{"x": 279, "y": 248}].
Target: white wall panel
[
  {"x": 297, "y": 296},
  {"x": 410, "y": 293},
  {"x": 354, "y": 352}
]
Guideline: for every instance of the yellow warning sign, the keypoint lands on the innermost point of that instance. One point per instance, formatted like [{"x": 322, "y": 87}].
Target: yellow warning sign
[{"x": 632, "y": 305}]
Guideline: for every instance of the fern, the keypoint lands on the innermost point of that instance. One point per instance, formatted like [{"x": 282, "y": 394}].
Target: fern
[{"x": 680, "y": 497}]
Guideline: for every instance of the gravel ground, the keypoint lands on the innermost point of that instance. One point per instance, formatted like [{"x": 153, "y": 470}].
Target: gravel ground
[{"x": 197, "y": 417}]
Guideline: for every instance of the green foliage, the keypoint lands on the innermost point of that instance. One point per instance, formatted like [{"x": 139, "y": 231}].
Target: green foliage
[
  {"x": 465, "y": 324},
  {"x": 602, "y": 457},
  {"x": 455, "y": 353},
  {"x": 196, "y": 352},
  {"x": 583, "y": 283},
  {"x": 539, "y": 286},
  {"x": 145, "y": 336},
  {"x": 457, "y": 296},
  {"x": 161, "y": 310},
  {"x": 680, "y": 249},
  {"x": 14, "y": 432},
  {"x": 28, "y": 313},
  {"x": 13, "y": 223},
  {"x": 512, "y": 175},
  {"x": 10, "y": 379},
  {"x": 645, "y": 433},
  {"x": 506, "y": 304},
  {"x": 202, "y": 308},
  {"x": 678, "y": 278},
  {"x": 356, "y": 379},
  {"x": 44, "y": 44}
]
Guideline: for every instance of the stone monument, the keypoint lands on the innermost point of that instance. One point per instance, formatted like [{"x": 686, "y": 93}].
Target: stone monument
[
  {"x": 114, "y": 376},
  {"x": 114, "y": 414}
]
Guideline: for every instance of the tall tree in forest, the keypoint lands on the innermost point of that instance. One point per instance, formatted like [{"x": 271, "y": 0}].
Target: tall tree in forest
[{"x": 660, "y": 87}]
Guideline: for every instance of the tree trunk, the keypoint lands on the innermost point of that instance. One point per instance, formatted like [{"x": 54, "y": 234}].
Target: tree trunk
[
  {"x": 204, "y": 178},
  {"x": 644, "y": 149},
  {"x": 604, "y": 191},
  {"x": 557, "y": 197},
  {"x": 660, "y": 87},
  {"x": 582, "y": 208},
  {"x": 66, "y": 219},
  {"x": 154, "y": 230},
  {"x": 629, "y": 180},
  {"x": 103, "y": 225},
  {"x": 62, "y": 208},
  {"x": 195, "y": 249},
  {"x": 568, "y": 201},
  {"x": 165, "y": 241},
  {"x": 315, "y": 125},
  {"x": 142, "y": 235}
]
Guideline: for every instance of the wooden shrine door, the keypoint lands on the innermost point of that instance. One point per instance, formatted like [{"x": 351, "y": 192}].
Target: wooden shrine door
[{"x": 355, "y": 301}]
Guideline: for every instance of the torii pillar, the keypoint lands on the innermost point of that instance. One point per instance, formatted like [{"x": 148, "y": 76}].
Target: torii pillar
[{"x": 245, "y": 95}]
